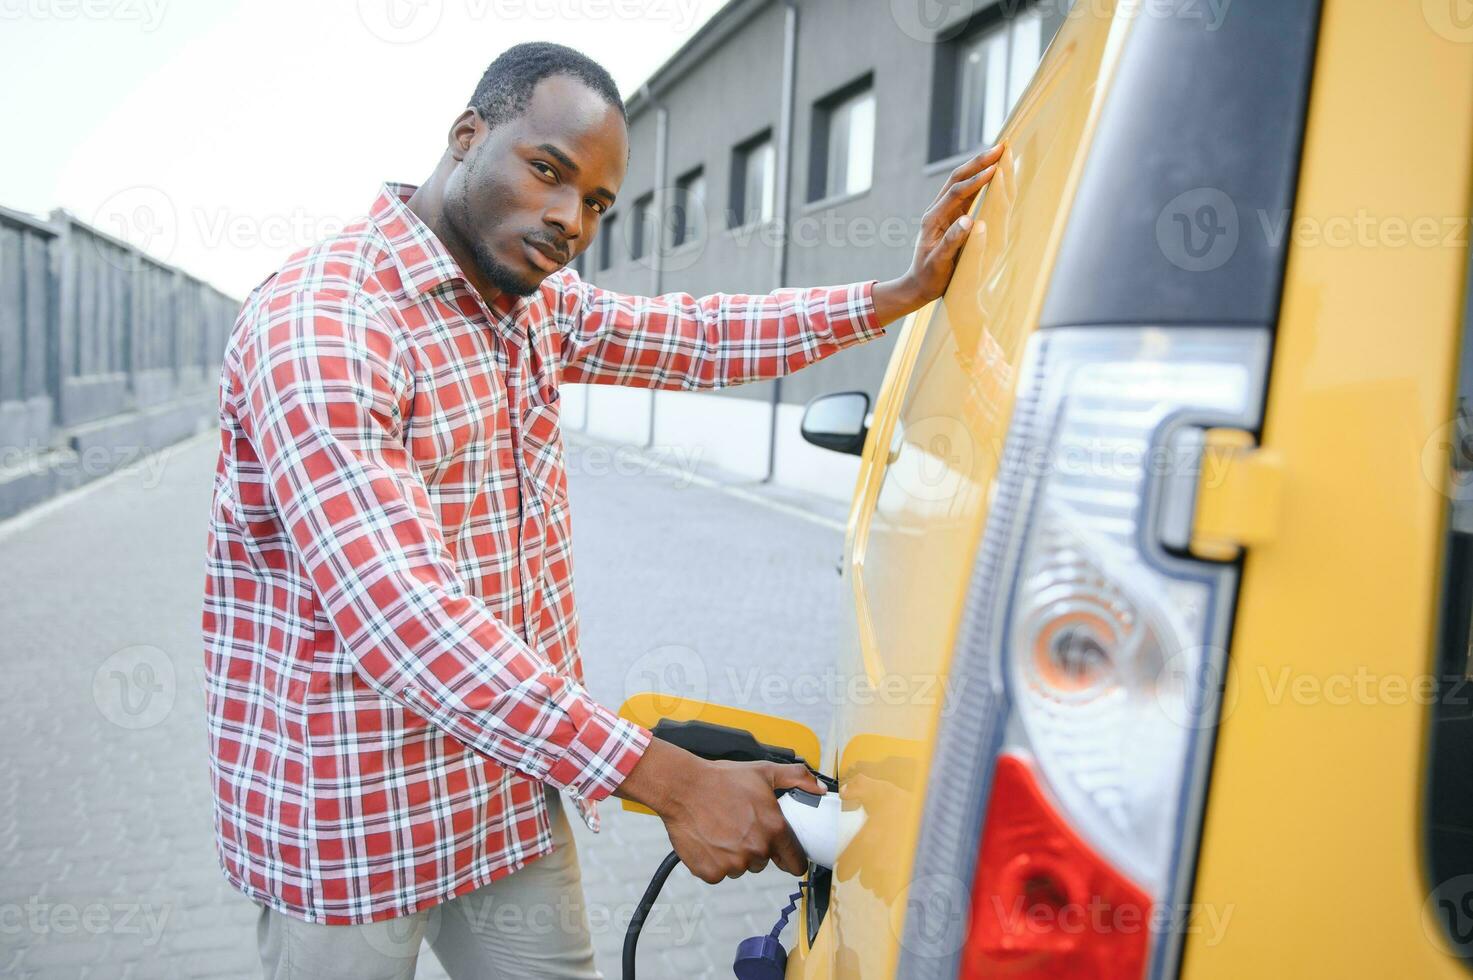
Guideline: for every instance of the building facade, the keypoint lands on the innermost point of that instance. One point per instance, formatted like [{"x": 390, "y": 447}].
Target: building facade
[{"x": 837, "y": 120}]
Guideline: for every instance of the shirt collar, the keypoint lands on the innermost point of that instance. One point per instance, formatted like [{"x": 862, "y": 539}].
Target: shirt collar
[{"x": 421, "y": 258}]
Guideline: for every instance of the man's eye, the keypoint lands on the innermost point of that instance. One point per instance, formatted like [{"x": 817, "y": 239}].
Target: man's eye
[
  {"x": 544, "y": 168},
  {"x": 598, "y": 206}
]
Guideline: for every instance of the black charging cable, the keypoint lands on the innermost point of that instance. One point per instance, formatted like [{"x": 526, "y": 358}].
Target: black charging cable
[
  {"x": 642, "y": 911},
  {"x": 652, "y": 892}
]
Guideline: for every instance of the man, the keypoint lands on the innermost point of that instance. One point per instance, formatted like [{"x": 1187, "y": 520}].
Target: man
[{"x": 394, "y": 688}]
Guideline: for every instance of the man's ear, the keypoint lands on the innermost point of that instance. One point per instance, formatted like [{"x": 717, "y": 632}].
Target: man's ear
[{"x": 463, "y": 133}]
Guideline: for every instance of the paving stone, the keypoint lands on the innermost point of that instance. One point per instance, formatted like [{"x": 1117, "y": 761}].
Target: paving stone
[
  {"x": 62, "y": 973},
  {"x": 58, "y": 954},
  {"x": 238, "y": 962}
]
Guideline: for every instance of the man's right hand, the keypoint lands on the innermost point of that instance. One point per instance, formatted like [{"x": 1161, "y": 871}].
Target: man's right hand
[{"x": 722, "y": 817}]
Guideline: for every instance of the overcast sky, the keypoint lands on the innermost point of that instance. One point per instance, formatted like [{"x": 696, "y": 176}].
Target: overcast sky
[{"x": 221, "y": 135}]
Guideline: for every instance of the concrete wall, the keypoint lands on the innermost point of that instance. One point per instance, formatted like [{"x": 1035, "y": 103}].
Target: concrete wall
[
  {"x": 105, "y": 355},
  {"x": 721, "y": 88}
]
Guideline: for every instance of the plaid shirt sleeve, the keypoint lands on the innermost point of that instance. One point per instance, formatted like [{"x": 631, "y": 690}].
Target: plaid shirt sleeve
[
  {"x": 679, "y": 341},
  {"x": 325, "y": 391}
]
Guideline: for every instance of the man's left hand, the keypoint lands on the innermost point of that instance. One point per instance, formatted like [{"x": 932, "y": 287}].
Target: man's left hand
[{"x": 944, "y": 229}]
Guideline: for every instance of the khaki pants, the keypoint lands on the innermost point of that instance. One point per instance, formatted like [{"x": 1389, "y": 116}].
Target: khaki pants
[{"x": 532, "y": 923}]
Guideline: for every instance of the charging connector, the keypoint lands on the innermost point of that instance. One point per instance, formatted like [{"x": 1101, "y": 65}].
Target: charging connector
[{"x": 723, "y": 743}]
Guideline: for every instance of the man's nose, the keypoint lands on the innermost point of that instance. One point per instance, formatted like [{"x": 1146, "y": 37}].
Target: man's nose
[{"x": 565, "y": 213}]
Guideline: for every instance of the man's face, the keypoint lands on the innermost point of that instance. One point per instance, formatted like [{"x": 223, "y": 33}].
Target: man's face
[{"x": 529, "y": 194}]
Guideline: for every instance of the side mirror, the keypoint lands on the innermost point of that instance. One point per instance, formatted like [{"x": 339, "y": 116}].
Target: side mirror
[{"x": 838, "y": 421}]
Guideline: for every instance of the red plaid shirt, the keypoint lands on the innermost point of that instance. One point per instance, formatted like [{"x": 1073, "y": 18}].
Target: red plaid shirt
[{"x": 391, "y": 643}]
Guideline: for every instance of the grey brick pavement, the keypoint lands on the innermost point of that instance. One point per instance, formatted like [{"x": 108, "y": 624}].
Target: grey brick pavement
[{"x": 107, "y": 867}]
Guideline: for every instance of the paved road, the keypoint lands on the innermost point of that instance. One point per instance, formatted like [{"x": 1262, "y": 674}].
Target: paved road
[{"x": 107, "y": 867}]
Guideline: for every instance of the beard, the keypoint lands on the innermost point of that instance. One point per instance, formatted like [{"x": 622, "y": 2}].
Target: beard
[
  {"x": 499, "y": 274},
  {"x": 464, "y": 225}
]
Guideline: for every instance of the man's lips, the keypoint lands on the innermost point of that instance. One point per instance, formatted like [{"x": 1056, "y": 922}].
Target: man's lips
[{"x": 545, "y": 257}]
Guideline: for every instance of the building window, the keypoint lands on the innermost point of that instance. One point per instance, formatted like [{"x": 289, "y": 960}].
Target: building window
[
  {"x": 641, "y": 234},
  {"x": 982, "y": 72},
  {"x": 754, "y": 181},
  {"x": 688, "y": 215},
  {"x": 607, "y": 236},
  {"x": 844, "y": 142}
]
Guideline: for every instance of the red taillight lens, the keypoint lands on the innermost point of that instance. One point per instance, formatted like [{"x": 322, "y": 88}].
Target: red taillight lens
[
  {"x": 1044, "y": 904},
  {"x": 1091, "y": 655}
]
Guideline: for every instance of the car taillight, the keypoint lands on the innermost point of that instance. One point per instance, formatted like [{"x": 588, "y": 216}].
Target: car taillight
[
  {"x": 1070, "y": 770},
  {"x": 1040, "y": 890}
]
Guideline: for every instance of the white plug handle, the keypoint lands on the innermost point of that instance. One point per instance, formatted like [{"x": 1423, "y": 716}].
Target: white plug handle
[{"x": 815, "y": 822}]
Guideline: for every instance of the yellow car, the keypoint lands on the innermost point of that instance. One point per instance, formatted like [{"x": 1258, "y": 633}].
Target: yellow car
[{"x": 1161, "y": 603}]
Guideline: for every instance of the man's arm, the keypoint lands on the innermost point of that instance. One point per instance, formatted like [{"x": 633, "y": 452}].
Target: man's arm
[
  {"x": 679, "y": 341},
  {"x": 324, "y": 390}
]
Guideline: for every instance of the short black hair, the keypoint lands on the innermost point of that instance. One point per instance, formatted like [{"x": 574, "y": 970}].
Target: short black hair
[{"x": 506, "y": 87}]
